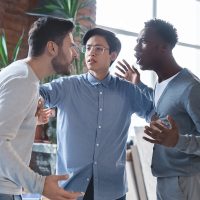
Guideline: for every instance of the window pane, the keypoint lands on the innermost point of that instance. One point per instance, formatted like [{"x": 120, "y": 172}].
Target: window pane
[
  {"x": 184, "y": 15},
  {"x": 127, "y": 14},
  {"x": 188, "y": 58}
]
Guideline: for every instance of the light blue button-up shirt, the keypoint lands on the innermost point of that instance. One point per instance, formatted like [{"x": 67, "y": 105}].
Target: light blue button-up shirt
[{"x": 93, "y": 118}]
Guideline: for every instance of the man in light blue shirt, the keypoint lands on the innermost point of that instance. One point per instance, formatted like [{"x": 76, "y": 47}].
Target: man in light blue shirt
[{"x": 94, "y": 114}]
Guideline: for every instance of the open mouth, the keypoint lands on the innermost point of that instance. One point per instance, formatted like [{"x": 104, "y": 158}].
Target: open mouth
[
  {"x": 138, "y": 58},
  {"x": 91, "y": 61}
]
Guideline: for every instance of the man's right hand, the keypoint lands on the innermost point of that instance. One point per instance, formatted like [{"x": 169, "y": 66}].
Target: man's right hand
[{"x": 53, "y": 192}]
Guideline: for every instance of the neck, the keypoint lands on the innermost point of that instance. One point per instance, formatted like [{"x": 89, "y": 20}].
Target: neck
[
  {"x": 99, "y": 75},
  {"x": 167, "y": 69},
  {"x": 40, "y": 66}
]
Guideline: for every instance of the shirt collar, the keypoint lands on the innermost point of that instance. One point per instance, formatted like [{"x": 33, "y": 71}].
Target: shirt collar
[{"x": 105, "y": 82}]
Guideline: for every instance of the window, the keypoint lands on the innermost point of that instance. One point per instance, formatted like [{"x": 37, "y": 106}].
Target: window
[
  {"x": 122, "y": 14},
  {"x": 186, "y": 20},
  {"x": 184, "y": 15}
]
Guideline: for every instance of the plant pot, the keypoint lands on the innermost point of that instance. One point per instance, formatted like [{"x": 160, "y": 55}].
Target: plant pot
[{"x": 40, "y": 134}]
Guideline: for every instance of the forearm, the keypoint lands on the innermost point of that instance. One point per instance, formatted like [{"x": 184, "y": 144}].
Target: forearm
[
  {"x": 146, "y": 90},
  {"x": 189, "y": 144},
  {"x": 14, "y": 169}
]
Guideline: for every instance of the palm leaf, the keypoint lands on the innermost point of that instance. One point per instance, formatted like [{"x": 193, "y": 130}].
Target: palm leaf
[
  {"x": 17, "y": 47},
  {"x": 1, "y": 65},
  {"x": 3, "y": 49},
  {"x": 74, "y": 7},
  {"x": 60, "y": 3}
]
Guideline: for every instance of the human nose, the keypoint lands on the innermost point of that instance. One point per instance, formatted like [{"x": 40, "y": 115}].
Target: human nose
[
  {"x": 136, "y": 46},
  {"x": 92, "y": 50}
]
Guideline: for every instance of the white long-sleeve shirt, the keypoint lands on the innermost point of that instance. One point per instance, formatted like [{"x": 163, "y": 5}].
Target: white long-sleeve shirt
[{"x": 18, "y": 103}]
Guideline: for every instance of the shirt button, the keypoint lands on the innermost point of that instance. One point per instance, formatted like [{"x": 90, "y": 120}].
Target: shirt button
[
  {"x": 95, "y": 163},
  {"x": 97, "y": 145},
  {"x": 88, "y": 179},
  {"x": 100, "y": 92},
  {"x": 99, "y": 126},
  {"x": 100, "y": 109}
]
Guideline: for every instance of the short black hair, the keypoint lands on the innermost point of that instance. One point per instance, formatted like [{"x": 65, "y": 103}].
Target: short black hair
[
  {"x": 165, "y": 30},
  {"x": 47, "y": 29},
  {"x": 113, "y": 42}
]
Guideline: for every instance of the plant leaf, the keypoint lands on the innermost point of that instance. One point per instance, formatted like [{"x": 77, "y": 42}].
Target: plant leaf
[
  {"x": 74, "y": 7},
  {"x": 17, "y": 47},
  {"x": 1, "y": 65},
  {"x": 3, "y": 49}
]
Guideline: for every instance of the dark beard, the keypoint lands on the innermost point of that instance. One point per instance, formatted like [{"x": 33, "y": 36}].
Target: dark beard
[{"x": 59, "y": 68}]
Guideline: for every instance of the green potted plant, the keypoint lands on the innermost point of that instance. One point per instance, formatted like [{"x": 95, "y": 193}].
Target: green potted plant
[{"x": 4, "y": 55}]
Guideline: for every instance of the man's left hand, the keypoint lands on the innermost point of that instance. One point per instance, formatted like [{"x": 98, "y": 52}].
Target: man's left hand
[{"x": 159, "y": 133}]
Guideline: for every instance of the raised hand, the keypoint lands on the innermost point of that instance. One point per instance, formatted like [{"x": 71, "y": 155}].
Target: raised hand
[
  {"x": 39, "y": 106},
  {"x": 159, "y": 133},
  {"x": 53, "y": 192},
  {"x": 43, "y": 114},
  {"x": 129, "y": 73}
]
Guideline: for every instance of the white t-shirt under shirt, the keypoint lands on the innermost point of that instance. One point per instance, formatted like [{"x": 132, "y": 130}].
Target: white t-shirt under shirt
[
  {"x": 160, "y": 87},
  {"x": 18, "y": 102}
]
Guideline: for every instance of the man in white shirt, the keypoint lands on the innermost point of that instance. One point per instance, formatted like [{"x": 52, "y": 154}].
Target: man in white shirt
[{"x": 51, "y": 50}]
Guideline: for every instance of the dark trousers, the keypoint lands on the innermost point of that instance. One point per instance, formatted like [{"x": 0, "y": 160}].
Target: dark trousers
[
  {"x": 89, "y": 194},
  {"x": 10, "y": 197},
  {"x": 122, "y": 198}
]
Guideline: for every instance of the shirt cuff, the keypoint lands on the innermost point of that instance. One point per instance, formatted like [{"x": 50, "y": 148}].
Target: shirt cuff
[
  {"x": 141, "y": 85},
  {"x": 149, "y": 117},
  {"x": 182, "y": 143}
]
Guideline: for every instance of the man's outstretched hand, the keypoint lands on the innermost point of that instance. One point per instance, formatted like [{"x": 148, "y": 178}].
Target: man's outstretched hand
[{"x": 53, "y": 192}]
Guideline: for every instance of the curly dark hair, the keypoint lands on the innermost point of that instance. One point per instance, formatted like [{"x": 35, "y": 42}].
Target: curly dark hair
[{"x": 165, "y": 30}]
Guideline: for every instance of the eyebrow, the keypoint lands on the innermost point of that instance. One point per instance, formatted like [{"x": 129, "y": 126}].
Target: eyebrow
[{"x": 98, "y": 45}]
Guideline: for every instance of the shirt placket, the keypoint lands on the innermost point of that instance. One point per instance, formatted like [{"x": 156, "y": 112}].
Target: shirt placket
[{"x": 98, "y": 136}]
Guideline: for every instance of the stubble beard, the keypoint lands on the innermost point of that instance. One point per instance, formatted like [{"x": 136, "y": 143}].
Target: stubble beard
[{"x": 63, "y": 69}]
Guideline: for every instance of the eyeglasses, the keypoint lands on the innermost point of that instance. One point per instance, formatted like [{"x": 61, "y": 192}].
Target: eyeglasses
[{"x": 98, "y": 50}]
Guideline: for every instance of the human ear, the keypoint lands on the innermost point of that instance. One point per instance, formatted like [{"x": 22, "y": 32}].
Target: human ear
[
  {"x": 113, "y": 56},
  {"x": 164, "y": 47},
  {"x": 52, "y": 48}
]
